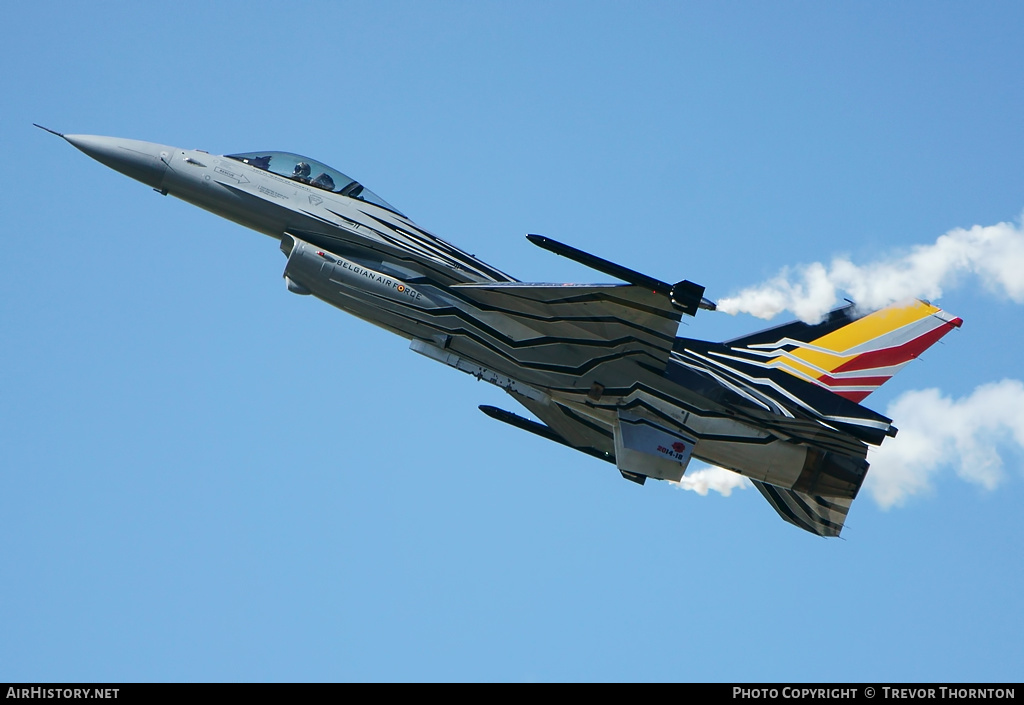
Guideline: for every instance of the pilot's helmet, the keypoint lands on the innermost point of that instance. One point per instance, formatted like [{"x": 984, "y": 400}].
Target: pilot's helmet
[
  {"x": 301, "y": 170},
  {"x": 324, "y": 181}
]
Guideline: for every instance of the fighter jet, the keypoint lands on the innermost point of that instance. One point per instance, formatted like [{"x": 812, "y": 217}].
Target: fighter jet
[{"x": 599, "y": 364}]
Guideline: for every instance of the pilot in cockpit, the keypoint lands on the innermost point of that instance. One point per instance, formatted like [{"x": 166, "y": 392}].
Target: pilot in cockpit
[
  {"x": 324, "y": 181},
  {"x": 301, "y": 172}
]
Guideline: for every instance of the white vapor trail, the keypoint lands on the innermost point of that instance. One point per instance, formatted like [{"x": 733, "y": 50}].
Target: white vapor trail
[
  {"x": 994, "y": 253},
  {"x": 970, "y": 435},
  {"x": 713, "y": 478}
]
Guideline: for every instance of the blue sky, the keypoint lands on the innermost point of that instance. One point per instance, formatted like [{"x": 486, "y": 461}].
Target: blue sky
[{"x": 206, "y": 478}]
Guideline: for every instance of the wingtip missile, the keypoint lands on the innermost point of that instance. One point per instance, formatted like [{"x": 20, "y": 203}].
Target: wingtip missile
[
  {"x": 539, "y": 429},
  {"x": 601, "y": 265},
  {"x": 685, "y": 295}
]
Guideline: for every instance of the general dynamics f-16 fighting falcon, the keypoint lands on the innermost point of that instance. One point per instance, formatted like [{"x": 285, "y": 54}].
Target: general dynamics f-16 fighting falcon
[{"x": 599, "y": 364}]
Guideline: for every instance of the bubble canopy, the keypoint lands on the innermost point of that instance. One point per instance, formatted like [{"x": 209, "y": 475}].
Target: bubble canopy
[{"x": 311, "y": 172}]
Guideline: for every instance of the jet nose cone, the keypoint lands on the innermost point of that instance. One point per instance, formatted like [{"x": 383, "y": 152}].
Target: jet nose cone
[{"x": 143, "y": 161}]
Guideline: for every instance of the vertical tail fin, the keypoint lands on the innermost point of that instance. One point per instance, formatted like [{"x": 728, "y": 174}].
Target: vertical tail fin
[{"x": 849, "y": 355}]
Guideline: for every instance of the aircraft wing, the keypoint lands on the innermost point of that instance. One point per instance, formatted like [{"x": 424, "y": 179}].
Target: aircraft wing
[
  {"x": 575, "y": 431},
  {"x": 568, "y": 428},
  {"x": 602, "y": 316}
]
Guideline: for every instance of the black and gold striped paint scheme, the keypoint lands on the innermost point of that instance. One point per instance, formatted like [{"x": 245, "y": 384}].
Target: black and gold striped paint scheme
[{"x": 599, "y": 364}]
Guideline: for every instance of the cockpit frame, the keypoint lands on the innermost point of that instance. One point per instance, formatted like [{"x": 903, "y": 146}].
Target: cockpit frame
[{"x": 312, "y": 173}]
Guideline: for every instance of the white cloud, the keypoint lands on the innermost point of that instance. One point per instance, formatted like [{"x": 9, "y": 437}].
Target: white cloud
[
  {"x": 713, "y": 478},
  {"x": 994, "y": 254},
  {"x": 970, "y": 435}
]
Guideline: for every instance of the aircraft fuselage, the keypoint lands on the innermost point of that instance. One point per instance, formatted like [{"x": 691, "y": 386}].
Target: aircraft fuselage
[
  {"x": 599, "y": 364},
  {"x": 375, "y": 263}
]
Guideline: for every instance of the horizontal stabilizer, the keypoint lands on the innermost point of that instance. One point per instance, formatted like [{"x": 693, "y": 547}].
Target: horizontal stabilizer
[
  {"x": 823, "y": 516},
  {"x": 685, "y": 296}
]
